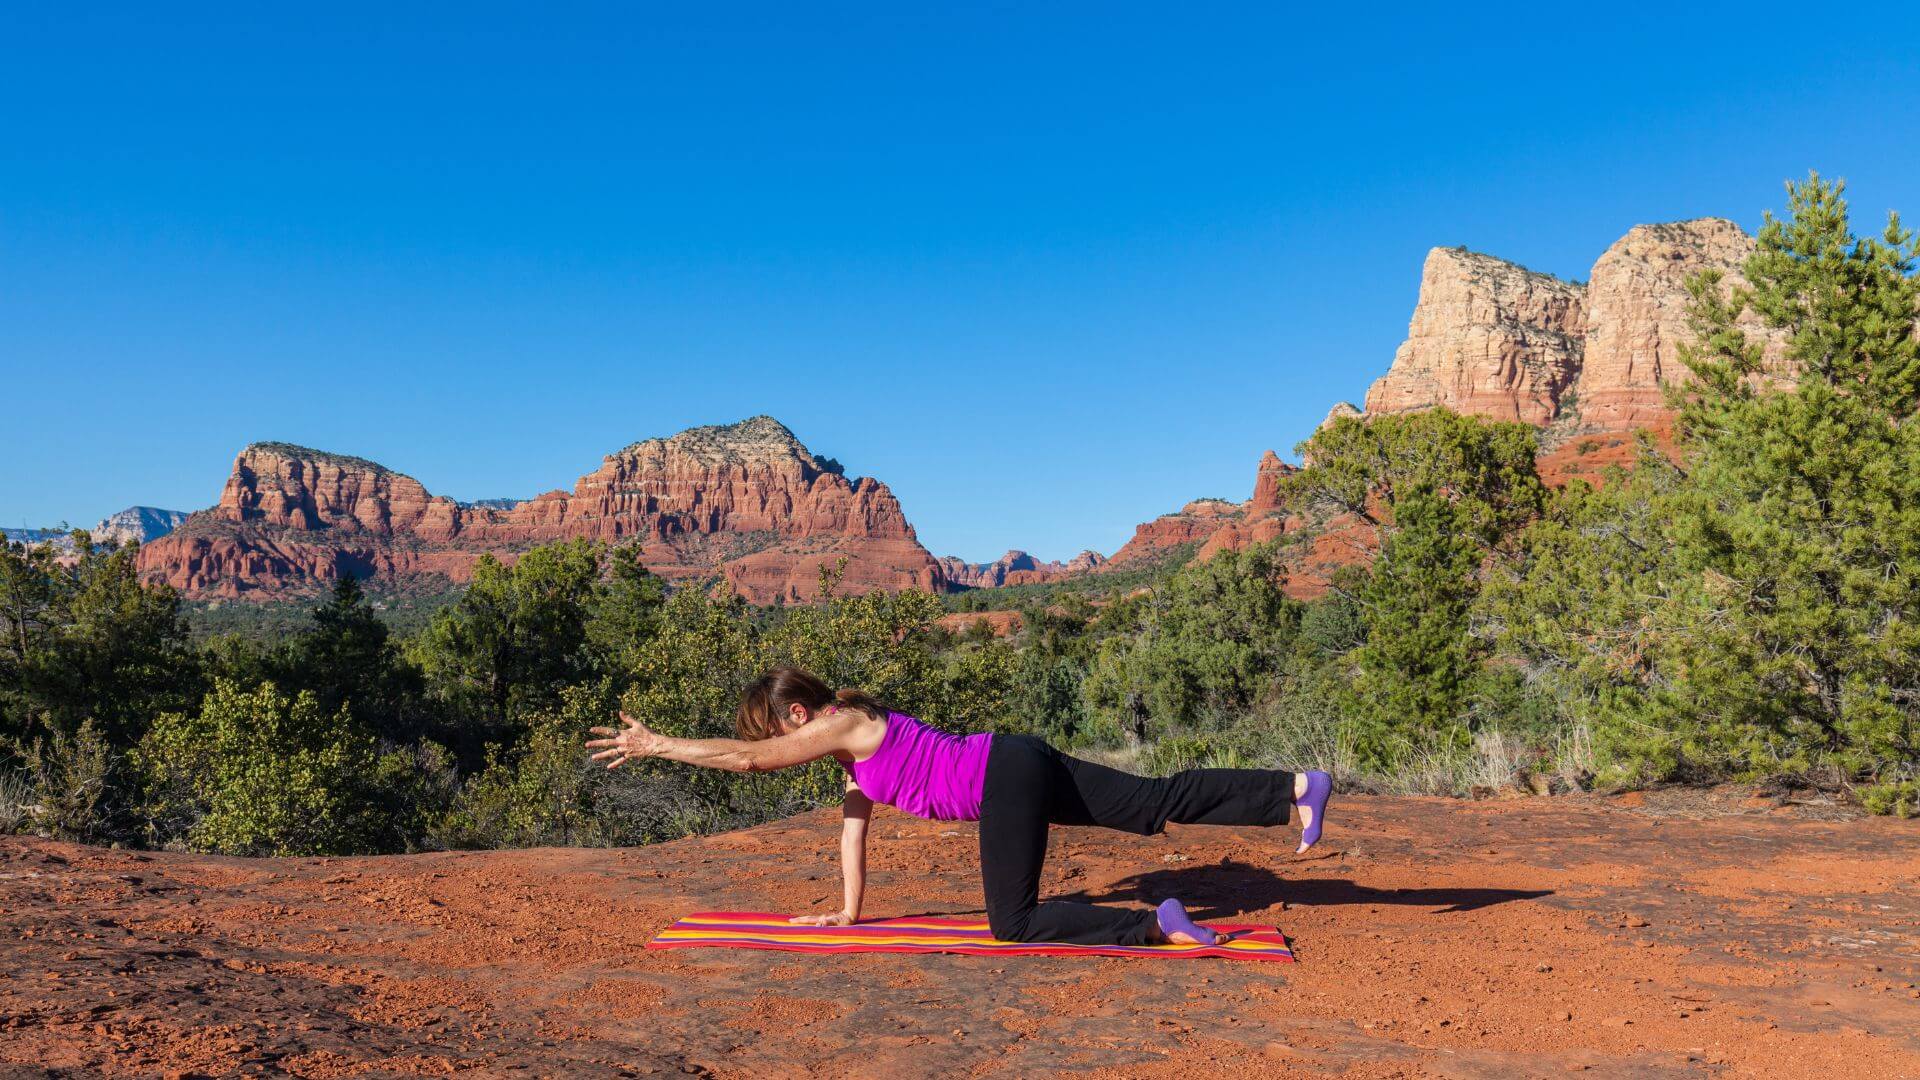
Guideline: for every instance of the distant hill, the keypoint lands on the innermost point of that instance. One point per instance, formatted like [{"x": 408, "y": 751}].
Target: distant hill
[{"x": 134, "y": 524}]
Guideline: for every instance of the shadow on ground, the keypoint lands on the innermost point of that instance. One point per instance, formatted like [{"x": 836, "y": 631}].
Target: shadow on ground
[{"x": 1235, "y": 889}]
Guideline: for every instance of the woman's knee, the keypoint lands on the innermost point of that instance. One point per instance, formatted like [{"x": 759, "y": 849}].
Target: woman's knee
[{"x": 1010, "y": 924}]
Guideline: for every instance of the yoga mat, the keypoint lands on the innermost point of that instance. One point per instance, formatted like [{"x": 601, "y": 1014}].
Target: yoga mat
[{"x": 933, "y": 934}]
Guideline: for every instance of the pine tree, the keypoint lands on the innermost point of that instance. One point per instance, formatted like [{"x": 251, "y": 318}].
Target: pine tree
[
  {"x": 1803, "y": 515},
  {"x": 1441, "y": 495},
  {"x": 348, "y": 660},
  {"x": 1418, "y": 657}
]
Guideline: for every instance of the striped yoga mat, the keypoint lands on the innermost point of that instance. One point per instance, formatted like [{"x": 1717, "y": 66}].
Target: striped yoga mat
[{"x": 934, "y": 934}]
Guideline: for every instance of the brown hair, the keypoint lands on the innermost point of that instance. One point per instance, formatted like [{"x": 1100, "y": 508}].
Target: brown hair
[{"x": 772, "y": 694}]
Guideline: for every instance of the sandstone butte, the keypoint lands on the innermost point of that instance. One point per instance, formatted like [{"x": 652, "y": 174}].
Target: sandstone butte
[
  {"x": 1588, "y": 364},
  {"x": 745, "y": 503}
]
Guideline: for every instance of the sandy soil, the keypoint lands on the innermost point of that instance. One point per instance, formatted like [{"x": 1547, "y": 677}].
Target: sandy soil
[{"x": 1681, "y": 934}]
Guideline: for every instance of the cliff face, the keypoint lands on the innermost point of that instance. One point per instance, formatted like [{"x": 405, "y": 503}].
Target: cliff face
[
  {"x": 1637, "y": 317},
  {"x": 1491, "y": 339},
  {"x": 1487, "y": 337},
  {"x": 747, "y": 502},
  {"x": 282, "y": 486}
]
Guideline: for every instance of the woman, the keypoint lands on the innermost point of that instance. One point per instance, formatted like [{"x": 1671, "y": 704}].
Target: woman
[{"x": 1014, "y": 785}]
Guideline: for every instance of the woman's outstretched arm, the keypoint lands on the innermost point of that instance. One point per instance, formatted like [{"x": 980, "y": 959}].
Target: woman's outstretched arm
[
  {"x": 825, "y": 734},
  {"x": 856, "y": 810}
]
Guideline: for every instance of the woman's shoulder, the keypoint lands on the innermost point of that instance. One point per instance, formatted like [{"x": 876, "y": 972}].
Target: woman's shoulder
[{"x": 864, "y": 730}]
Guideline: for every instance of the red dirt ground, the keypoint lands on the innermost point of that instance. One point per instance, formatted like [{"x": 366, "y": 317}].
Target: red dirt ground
[{"x": 1677, "y": 934}]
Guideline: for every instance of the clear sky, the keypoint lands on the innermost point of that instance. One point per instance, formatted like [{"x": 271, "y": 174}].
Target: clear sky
[{"x": 1047, "y": 275}]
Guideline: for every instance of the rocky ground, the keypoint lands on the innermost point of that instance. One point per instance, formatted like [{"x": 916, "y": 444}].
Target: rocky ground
[{"x": 1673, "y": 934}]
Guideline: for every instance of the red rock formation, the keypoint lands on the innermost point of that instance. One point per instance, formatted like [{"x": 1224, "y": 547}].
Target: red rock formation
[
  {"x": 1215, "y": 525},
  {"x": 746, "y": 502},
  {"x": 279, "y": 485},
  {"x": 1267, "y": 478},
  {"x": 1261, "y": 518},
  {"x": 1637, "y": 316},
  {"x": 1487, "y": 337},
  {"x": 1001, "y": 623},
  {"x": 1492, "y": 339},
  {"x": 1190, "y": 524}
]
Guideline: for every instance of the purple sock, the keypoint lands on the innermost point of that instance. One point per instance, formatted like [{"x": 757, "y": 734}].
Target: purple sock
[
  {"x": 1173, "y": 916},
  {"x": 1319, "y": 790}
]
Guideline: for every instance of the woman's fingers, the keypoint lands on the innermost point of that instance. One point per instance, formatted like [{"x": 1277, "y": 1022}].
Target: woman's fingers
[{"x": 604, "y": 731}]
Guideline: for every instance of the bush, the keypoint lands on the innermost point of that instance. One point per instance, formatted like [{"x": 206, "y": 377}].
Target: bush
[
  {"x": 540, "y": 792},
  {"x": 258, "y": 773},
  {"x": 74, "y": 785},
  {"x": 1209, "y": 641},
  {"x": 1897, "y": 799},
  {"x": 16, "y": 801}
]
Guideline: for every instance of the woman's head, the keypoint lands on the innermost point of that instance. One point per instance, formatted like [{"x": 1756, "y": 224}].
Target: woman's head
[{"x": 786, "y": 697}]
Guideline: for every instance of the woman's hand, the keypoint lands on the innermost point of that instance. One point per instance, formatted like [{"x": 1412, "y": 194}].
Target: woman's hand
[
  {"x": 838, "y": 918},
  {"x": 635, "y": 741}
]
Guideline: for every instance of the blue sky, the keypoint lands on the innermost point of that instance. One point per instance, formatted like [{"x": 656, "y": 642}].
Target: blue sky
[{"x": 1046, "y": 274}]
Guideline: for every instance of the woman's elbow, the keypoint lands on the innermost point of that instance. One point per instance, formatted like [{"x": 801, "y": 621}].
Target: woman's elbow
[{"x": 749, "y": 762}]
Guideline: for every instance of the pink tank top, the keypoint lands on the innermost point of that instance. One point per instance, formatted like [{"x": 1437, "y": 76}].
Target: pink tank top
[{"x": 927, "y": 773}]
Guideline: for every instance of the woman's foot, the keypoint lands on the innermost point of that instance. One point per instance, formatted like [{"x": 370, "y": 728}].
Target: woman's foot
[
  {"x": 1178, "y": 927},
  {"x": 1311, "y": 790}
]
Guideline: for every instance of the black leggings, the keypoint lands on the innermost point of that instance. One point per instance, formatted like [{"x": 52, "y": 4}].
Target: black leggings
[{"x": 1030, "y": 785}]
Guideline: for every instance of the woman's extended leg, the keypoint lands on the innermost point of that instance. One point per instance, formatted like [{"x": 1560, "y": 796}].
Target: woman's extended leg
[
  {"x": 1025, "y": 779},
  {"x": 1099, "y": 795}
]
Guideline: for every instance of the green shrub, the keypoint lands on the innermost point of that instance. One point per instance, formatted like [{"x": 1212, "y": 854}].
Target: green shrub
[
  {"x": 257, "y": 773},
  {"x": 540, "y": 792},
  {"x": 1897, "y": 799},
  {"x": 1209, "y": 641},
  {"x": 16, "y": 801}
]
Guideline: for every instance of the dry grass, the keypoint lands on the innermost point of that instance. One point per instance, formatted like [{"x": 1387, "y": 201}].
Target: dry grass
[{"x": 16, "y": 802}]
